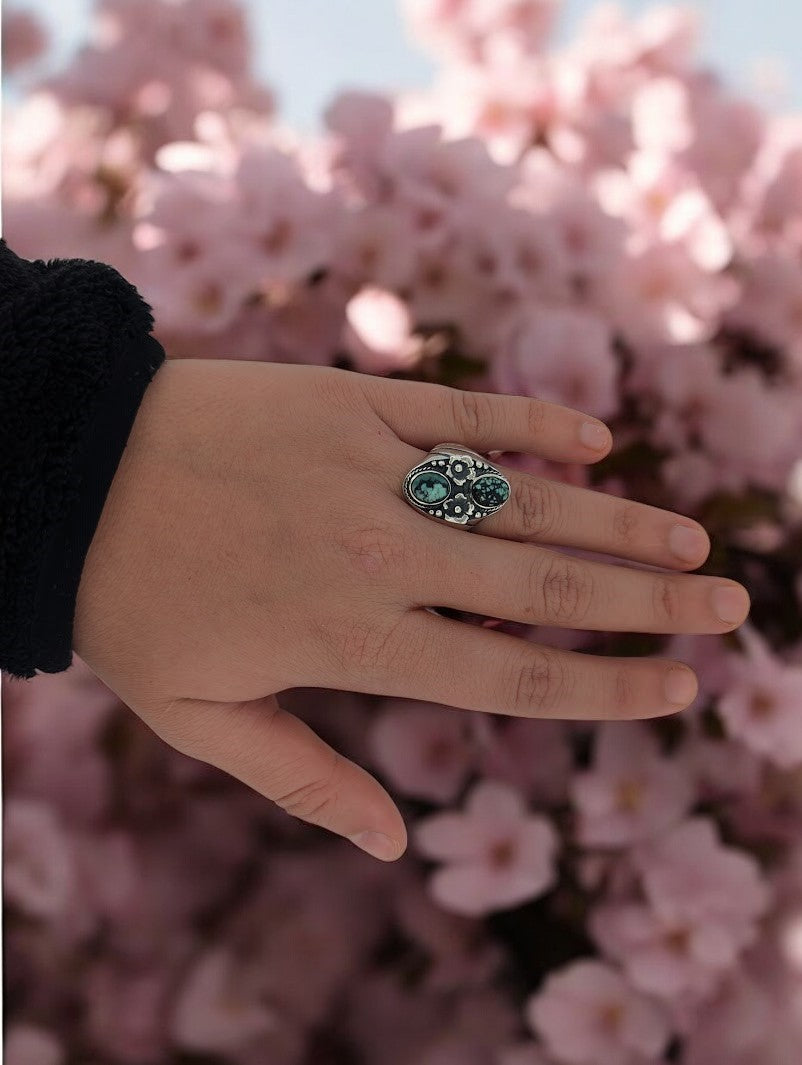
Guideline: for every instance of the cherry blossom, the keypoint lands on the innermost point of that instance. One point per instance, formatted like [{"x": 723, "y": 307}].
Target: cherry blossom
[
  {"x": 426, "y": 751},
  {"x": 588, "y": 1014},
  {"x": 760, "y": 705},
  {"x": 497, "y": 854},
  {"x": 631, "y": 792}
]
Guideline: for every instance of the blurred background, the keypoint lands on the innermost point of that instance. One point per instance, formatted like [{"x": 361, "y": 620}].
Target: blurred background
[
  {"x": 309, "y": 48},
  {"x": 623, "y": 235}
]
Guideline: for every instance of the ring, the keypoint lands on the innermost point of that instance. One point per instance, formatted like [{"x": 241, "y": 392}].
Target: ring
[{"x": 456, "y": 485}]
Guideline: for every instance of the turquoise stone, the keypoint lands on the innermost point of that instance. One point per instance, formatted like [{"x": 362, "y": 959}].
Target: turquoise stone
[
  {"x": 429, "y": 487},
  {"x": 490, "y": 490}
]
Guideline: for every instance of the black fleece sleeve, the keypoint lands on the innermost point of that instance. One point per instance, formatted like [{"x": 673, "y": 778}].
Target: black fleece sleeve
[{"x": 76, "y": 356}]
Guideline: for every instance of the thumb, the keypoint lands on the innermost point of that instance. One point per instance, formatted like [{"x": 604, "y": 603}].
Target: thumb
[{"x": 278, "y": 755}]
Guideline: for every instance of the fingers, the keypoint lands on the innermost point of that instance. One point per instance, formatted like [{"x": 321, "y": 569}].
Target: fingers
[
  {"x": 536, "y": 585},
  {"x": 425, "y": 414},
  {"x": 540, "y": 509},
  {"x": 439, "y": 659},
  {"x": 279, "y": 756}
]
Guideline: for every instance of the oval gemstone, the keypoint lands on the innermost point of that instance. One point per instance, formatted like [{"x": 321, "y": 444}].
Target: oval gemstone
[
  {"x": 490, "y": 490},
  {"x": 429, "y": 487}
]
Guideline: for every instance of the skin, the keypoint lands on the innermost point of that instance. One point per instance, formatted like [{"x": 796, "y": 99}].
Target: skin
[{"x": 255, "y": 539}]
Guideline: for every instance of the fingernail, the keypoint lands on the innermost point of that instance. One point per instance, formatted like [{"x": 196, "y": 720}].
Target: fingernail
[
  {"x": 730, "y": 603},
  {"x": 687, "y": 543},
  {"x": 680, "y": 686},
  {"x": 594, "y": 435},
  {"x": 377, "y": 844}
]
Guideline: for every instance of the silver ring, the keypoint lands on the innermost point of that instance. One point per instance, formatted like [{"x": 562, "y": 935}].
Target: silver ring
[{"x": 456, "y": 485}]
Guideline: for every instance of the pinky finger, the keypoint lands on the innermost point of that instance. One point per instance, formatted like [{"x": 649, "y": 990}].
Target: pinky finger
[
  {"x": 478, "y": 668},
  {"x": 278, "y": 755}
]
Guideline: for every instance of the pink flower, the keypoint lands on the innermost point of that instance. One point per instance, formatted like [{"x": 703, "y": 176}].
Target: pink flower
[
  {"x": 721, "y": 767},
  {"x": 661, "y": 956},
  {"x": 37, "y": 859},
  {"x": 194, "y": 277},
  {"x": 689, "y": 876},
  {"x": 125, "y": 1019},
  {"x": 771, "y": 302},
  {"x": 459, "y": 955},
  {"x": 378, "y": 333},
  {"x": 425, "y": 751},
  {"x": 504, "y": 103},
  {"x": 661, "y": 120},
  {"x": 497, "y": 854},
  {"x": 393, "y": 1024},
  {"x": 52, "y": 725},
  {"x": 478, "y": 29},
  {"x": 771, "y": 190},
  {"x": 662, "y": 294},
  {"x": 534, "y": 756},
  {"x": 429, "y": 176},
  {"x": 161, "y": 64},
  {"x": 360, "y": 123},
  {"x": 307, "y": 325},
  {"x": 738, "y": 1026},
  {"x": 663, "y": 202},
  {"x": 374, "y": 246},
  {"x": 26, "y": 1044},
  {"x": 515, "y": 256},
  {"x": 631, "y": 792},
  {"x": 361, "y": 119},
  {"x": 282, "y": 226},
  {"x": 660, "y": 40},
  {"x": 761, "y": 703},
  {"x": 561, "y": 355},
  {"x": 24, "y": 39},
  {"x": 729, "y": 130},
  {"x": 588, "y": 1014},
  {"x": 215, "y": 1012},
  {"x": 592, "y": 241}
]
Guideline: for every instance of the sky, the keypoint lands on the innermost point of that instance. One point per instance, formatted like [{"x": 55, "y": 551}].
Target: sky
[{"x": 307, "y": 49}]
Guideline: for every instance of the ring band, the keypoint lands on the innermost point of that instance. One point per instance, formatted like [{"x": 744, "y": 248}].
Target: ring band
[{"x": 456, "y": 485}]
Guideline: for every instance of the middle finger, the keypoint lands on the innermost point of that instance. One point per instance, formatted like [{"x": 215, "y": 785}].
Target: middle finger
[{"x": 539, "y": 586}]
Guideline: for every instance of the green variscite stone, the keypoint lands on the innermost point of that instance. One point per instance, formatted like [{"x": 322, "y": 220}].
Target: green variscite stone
[
  {"x": 490, "y": 490},
  {"x": 429, "y": 487}
]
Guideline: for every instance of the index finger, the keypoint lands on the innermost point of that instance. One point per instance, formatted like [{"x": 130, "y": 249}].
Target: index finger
[{"x": 425, "y": 414}]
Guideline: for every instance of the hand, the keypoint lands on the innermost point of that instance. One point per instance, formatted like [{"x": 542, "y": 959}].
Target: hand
[{"x": 255, "y": 539}]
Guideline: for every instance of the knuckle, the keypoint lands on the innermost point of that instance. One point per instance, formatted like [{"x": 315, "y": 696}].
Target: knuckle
[
  {"x": 537, "y": 506},
  {"x": 373, "y": 549},
  {"x": 536, "y": 417},
  {"x": 665, "y": 600},
  {"x": 473, "y": 412},
  {"x": 625, "y": 524},
  {"x": 356, "y": 458},
  {"x": 565, "y": 589},
  {"x": 540, "y": 683},
  {"x": 344, "y": 392},
  {"x": 623, "y": 693},
  {"x": 315, "y": 799},
  {"x": 363, "y": 645}
]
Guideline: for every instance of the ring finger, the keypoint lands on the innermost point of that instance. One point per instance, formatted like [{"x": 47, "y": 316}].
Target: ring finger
[{"x": 541, "y": 510}]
